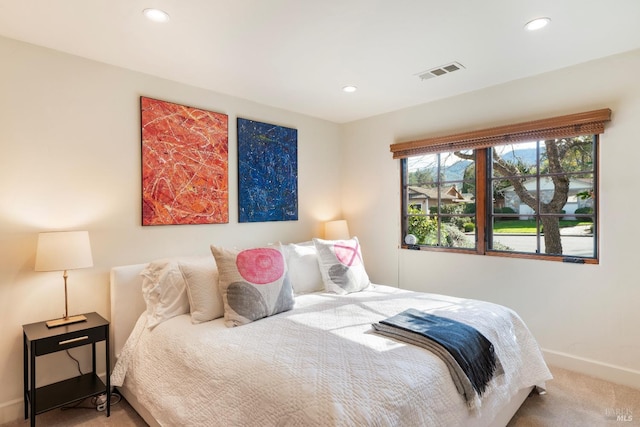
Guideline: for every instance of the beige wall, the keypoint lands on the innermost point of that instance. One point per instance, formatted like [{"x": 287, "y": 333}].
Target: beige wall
[
  {"x": 586, "y": 317},
  {"x": 70, "y": 159}
]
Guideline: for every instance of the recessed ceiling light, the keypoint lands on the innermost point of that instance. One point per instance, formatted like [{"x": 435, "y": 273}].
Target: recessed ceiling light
[
  {"x": 537, "y": 24},
  {"x": 156, "y": 15},
  {"x": 349, "y": 89}
]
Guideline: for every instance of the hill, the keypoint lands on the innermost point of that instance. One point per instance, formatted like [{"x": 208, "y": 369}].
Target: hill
[{"x": 455, "y": 171}]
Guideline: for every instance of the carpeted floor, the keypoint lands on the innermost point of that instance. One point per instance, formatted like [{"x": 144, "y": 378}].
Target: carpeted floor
[
  {"x": 122, "y": 415},
  {"x": 572, "y": 400}
]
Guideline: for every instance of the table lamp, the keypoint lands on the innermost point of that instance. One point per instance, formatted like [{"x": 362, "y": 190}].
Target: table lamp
[
  {"x": 336, "y": 230},
  {"x": 62, "y": 251}
]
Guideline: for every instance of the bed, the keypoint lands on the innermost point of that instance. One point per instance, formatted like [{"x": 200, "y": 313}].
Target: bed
[{"x": 316, "y": 363}]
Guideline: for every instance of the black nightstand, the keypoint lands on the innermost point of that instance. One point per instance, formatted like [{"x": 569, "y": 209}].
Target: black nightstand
[{"x": 40, "y": 340}]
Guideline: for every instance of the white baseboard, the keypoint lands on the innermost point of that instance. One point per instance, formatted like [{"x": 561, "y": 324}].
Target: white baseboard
[{"x": 594, "y": 368}]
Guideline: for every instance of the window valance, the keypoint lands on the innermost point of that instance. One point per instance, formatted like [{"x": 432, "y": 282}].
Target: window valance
[{"x": 587, "y": 123}]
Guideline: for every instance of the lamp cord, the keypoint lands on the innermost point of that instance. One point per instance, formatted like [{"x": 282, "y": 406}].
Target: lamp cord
[
  {"x": 75, "y": 360},
  {"x": 98, "y": 402}
]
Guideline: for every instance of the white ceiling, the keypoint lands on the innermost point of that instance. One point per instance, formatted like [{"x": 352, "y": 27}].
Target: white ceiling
[{"x": 298, "y": 54}]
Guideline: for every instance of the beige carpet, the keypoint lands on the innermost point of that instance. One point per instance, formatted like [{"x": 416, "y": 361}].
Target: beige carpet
[
  {"x": 578, "y": 400},
  {"x": 572, "y": 400},
  {"x": 121, "y": 415}
]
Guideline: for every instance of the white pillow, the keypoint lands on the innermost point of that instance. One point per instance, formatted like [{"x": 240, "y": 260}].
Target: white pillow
[
  {"x": 304, "y": 272},
  {"x": 164, "y": 291},
  {"x": 341, "y": 265},
  {"x": 201, "y": 277}
]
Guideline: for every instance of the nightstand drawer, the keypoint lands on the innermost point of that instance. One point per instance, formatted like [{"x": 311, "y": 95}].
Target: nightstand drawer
[{"x": 69, "y": 340}]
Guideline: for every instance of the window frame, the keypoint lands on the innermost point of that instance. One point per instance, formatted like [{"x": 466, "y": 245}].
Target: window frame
[{"x": 586, "y": 123}]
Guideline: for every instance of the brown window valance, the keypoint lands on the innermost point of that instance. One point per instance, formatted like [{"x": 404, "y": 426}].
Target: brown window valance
[{"x": 587, "y": 123}]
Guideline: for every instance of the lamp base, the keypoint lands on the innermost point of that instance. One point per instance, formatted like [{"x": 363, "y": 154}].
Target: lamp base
[{"x": 66, "y": 321}]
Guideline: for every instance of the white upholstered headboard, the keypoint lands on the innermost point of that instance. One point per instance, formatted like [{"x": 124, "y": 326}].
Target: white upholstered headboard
[{"x": 126, "y": 303}]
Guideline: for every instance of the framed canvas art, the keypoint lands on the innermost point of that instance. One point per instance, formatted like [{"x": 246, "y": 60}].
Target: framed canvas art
[
  {"x": 267, "y": 172},
  {"x": 184, "y": 164}
]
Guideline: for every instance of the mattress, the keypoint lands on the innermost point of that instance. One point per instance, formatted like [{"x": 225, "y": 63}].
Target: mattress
[{"x": 320, "y": 364}]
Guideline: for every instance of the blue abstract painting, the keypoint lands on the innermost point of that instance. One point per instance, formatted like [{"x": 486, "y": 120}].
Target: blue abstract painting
[{"x": 267, "y": 172}]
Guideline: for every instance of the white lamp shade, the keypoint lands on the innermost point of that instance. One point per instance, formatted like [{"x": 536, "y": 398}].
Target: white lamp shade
[
  {"x": 336, "y": 230},
  {"x": 63, "y": 250}
]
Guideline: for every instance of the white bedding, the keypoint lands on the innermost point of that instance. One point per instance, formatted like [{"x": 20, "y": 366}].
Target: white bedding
[{"x": 320, "y": 364}]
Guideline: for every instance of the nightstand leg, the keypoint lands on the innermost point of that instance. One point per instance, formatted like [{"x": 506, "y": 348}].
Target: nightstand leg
[
  {"x": 25, "y": 371},
  {"x": 93, "y": 357},
  {"x": 108, "y": 369},
  {"x": 32, "y": 391}
]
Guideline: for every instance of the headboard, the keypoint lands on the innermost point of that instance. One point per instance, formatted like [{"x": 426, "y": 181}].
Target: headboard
[{"x": 126, "y": 303}]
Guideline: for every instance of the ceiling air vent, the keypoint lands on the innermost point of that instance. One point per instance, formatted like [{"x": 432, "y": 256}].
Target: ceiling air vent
[{"x": 440, "y": 71}]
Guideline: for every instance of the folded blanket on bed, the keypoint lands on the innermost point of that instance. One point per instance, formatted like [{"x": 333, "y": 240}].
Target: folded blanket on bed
[{"x": 469, "y": 356}]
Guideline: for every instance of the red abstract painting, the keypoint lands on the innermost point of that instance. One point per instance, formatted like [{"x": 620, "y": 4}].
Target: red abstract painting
[{"x": 184, "y": 164}]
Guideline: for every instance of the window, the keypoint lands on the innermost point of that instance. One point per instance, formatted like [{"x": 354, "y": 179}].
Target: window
[
  {"x": 440, "y": 192},
  {"x": 525, "y": 190}
]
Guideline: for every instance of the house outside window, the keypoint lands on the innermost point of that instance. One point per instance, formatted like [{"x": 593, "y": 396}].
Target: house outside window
[
  {"x": 575, "y": 202},
  {"x": 494, "y": 192},
  {"x": 440, "y": 192}
]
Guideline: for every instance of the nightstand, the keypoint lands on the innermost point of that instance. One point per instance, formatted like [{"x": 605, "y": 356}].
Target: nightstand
[{"x": 40, "y": 340}]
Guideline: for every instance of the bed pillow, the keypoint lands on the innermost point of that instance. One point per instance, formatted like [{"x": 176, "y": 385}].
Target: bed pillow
[
  {"x": 302, "y": 264},
  {"x": 164, "y": 291},
  {"x": 201, "y": 277},
  {"x": 253, "y": 282},
  {"x": 341, "y": 265}
]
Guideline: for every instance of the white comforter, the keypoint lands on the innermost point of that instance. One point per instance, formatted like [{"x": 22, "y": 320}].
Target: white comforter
[{"x": 320, "y": 365}]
